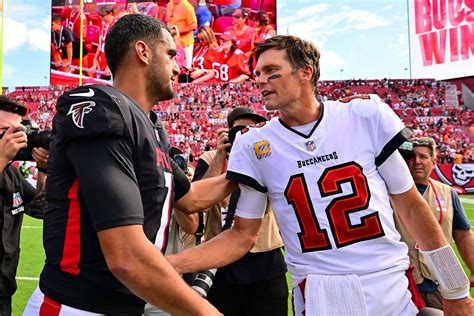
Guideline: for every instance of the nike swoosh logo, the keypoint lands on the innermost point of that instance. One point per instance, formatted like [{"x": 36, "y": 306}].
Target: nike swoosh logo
[{"x": 88, "y": 94}]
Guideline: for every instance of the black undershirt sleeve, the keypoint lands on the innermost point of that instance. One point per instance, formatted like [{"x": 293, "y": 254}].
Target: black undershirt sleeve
[
  {"x": 200, "y": 170},
  {"x": 107, "y": 181},
  {"x": 181, "y": 182}
]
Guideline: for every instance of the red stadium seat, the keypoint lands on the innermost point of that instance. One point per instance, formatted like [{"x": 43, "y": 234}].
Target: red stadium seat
[
  {"x": 253, "y": 5},
  {"x": 221, "y": 23},
  {"x": 269, "y": 6}
]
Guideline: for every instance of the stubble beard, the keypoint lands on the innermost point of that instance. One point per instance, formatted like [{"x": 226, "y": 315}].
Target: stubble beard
[{"x": 157, "y": 88}]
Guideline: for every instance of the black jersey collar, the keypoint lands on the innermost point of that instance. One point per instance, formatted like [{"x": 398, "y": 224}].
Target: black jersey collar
[{"x": 312, "y": 130}]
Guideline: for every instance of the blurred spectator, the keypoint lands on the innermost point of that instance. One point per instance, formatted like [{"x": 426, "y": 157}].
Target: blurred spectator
[
  {"x": 180, "y": 57},
  {"x": 181, "y": 14},
  {"x": 240, "y": 30},
  {"x": 61, "y": 45},
  {"x": 99, "y": 67},
  {"x": 226, "y": 7},
  {"x": 203, "y": 54},
  {"x": 203, "y": 15},
  {"x": 263, "y": 29},
  {"x": 229, "y": 63}
]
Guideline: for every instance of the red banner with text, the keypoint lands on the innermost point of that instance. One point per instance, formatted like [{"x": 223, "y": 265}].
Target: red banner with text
[{"x": 442, "y": 38}]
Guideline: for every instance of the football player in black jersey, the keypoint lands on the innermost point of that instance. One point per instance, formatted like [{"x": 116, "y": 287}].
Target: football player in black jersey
[{"x": 111, "y": 188}]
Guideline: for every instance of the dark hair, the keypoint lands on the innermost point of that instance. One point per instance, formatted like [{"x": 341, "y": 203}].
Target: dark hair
[
  {"x": 127, "y": 30},
  {"x": 263, "y": 18},
  {"x": 299, "y": 53},
  {"x": 57, "y": 18},
  {"x": 11, "y": 106}
]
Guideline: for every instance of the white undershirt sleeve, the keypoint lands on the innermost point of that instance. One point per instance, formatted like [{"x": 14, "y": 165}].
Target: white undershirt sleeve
[
  {"x": 251, "y": 204},
  {"x": 395, "y": 173}
]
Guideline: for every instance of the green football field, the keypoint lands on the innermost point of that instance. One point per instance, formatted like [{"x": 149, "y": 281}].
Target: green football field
[{"x": 32, "y": 256}]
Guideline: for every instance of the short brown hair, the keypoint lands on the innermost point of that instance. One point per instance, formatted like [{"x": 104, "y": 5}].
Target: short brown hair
[
  {"x": 427, "y": 142},
  {"x": 9, "y": 105},
  {"x": 299, "y": 53}
]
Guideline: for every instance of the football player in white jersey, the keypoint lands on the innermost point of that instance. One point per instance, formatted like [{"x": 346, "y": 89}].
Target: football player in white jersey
[{"x": 329, "y": 170}]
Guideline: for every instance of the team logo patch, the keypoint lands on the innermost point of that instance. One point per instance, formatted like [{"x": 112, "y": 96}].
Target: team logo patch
[
  {"x": 310, "y": 145},
  {"x": 17, "y": 200},
  {"x": 78, "y": 110},
  {"x": 262, "y": 149}
]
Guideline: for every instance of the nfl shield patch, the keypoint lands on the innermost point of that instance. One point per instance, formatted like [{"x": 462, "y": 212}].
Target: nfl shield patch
[
  {"x": 17, "y": 200},
  {"x": 262, "y": 149},
  {"x": 310, "y": 145}
]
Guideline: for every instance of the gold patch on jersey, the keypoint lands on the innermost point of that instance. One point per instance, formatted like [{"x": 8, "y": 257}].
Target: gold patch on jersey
[{"x": 262, "y": 149}]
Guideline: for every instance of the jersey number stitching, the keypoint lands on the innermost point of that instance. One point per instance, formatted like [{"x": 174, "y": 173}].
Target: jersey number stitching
[{"x": 312, "y": 237}]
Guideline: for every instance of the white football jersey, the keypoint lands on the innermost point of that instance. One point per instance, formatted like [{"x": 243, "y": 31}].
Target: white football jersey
[{"x": 331, "y": 204}]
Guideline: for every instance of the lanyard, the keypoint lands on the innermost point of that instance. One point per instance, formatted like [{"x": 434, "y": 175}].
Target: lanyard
[
  {"x": 58, "y": 46},
  {"x": 437, "y": 201}
]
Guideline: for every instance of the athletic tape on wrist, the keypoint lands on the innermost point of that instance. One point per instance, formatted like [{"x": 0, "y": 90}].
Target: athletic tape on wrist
[{"x": 447, "y": 271}]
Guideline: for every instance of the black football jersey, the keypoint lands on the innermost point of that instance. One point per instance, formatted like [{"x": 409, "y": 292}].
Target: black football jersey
[{"x": 108, "y": 167}]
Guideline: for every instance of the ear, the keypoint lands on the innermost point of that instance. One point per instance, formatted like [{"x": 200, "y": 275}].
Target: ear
[
  {"x": 306, "y": 73},
  {"x": 142, "y": 52}
]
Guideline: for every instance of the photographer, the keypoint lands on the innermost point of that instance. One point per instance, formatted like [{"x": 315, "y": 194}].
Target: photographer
[
  {"x": 16, "y": 194},
  {"x": 256, "y": 283}
]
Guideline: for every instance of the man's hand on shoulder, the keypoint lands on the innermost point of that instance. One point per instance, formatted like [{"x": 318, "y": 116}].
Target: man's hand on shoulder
[{"x": 463, "y": 306}]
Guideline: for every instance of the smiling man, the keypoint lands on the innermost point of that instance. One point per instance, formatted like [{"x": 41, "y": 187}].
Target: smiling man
[
  {"x": 328, "y": 170},
  {"x": 112, "y": 188}
]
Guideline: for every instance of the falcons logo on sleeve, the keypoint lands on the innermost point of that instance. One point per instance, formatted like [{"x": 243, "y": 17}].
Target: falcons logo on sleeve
[{"x": 78, "y": 110}]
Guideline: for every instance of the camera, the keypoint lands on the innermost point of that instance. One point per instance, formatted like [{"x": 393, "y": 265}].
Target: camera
[
  {"x": 203, "y": 281},
  {"x": 232, "y": 133},
  {"x": 182, "y": 161},
  {"x": 36, "y": 138}
]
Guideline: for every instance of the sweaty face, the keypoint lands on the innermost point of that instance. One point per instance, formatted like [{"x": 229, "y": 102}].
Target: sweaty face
[
  {"x": 278, "y": 83},
  {"x": 162, "y": 70},
  {"x": 422, "y": 165}
]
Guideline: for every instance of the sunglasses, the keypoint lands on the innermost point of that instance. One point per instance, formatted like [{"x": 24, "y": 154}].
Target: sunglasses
[
  {"x": 237, "y": 16},
  {"x": 422, "y": 141}
]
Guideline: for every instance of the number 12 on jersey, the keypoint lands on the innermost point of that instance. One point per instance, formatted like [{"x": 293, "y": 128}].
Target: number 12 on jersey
[{"x": 312, "y": 237}]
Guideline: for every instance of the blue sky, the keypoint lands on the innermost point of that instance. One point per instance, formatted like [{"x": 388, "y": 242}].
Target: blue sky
[{"x": 365, "y": 39}]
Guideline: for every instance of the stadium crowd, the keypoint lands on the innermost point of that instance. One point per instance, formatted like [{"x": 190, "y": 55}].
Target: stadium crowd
[
  {"x": 215, "y": 39},
  {"x": 198, "y": 110}
]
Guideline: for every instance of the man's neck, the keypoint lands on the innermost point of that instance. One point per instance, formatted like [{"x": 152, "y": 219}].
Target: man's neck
[
  {"x": 301, "y": 112},
  {"x": 422, "y": 181},
  {"x": 135, "y": 92}
]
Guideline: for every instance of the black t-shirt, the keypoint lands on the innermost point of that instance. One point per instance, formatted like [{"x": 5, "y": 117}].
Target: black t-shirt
[
  {"x": 61, "y": 39},
  {"x": 108, "y": 167}
]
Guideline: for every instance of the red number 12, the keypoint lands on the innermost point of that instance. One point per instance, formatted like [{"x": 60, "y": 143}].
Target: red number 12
[{"x": 312, "y": 237}]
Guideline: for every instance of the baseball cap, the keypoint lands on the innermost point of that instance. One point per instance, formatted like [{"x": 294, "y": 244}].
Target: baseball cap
[
  {"x": 175, "y": 151},
  {"x": 244, "y": 112}
]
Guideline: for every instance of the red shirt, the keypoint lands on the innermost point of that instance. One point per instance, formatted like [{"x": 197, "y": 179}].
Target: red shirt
[{"x": 229, "y": 67}]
